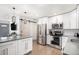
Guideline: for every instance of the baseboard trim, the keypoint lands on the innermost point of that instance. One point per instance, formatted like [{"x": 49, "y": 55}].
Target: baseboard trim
[
  {"x": 29, "y": 53},
  {"x": 65, "y": 54}
]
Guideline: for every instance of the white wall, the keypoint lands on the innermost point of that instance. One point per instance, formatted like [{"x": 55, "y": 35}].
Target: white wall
[{"x": 33, "y": 30}]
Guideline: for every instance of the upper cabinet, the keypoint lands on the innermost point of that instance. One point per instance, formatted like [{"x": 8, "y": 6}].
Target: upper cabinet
[
  {"x": 56, "y": 19},
  {"x": 59, "y": 19},
  {"x": 53, "y": 20},
  {"x": 66, "y": 21},
  {"x": 78, "y": 17},
  {"x": 70, "y": 20},
  {"x": 73, "y": 20}
]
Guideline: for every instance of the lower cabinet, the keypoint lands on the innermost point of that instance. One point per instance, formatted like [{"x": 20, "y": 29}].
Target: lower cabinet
[
  {"x": 24, "y": 46},
  {"x": 21, "y": 47},
  {"x": 3, "y": 51},
  {"x": 18, "y": 47},
  {"x": 64, "y": 41},
  {"x": 8, "y": 49},
  {"x": 49, "y": 39},
  {"x": 29, "y": 45},
  {"x": 12, "y": 48}
]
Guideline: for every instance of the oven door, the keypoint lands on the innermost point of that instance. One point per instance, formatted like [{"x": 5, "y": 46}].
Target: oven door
[{"x": 56, "y": 41}]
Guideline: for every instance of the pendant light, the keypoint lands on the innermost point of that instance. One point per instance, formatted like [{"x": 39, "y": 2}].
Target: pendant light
[
  {"x": 13, "y": 24},
  {"x": 25, "y": 21},
  {"x": 13, "y": 17}
]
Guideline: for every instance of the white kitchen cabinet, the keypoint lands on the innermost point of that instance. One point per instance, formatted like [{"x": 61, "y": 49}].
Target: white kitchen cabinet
[
  {"x": 78, "y": 17},
  {"x": 12, "y": 48},
  {"x": 56, "y": 19},
  {"x": 70, "y": 20},
  {"x": 53, "y": 20},
  {"x": 66, "y": 21},
  {"x": 20, "y": 47},
  {"x": 59, "y": 19},
  {"x": 3, "y": 51},
  {"x": 73, "y": 20},
  {"x": 29, "y": 44},
  {"x": 8, "y": 49},
  {"x": 64, "y": 41},
  {"x": 49, "y": 38},
  {"x": 24, "y": 46},
  {"x": 49, "y": 26},
  {"x": 17, "y": 47}
]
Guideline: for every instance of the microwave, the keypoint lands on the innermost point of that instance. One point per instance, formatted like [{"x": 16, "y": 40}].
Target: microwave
[{"x": 57, "y": 26}]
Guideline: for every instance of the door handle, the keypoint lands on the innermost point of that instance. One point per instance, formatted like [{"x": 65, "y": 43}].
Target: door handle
[
  {"x": 26, "y": 45},
  {"x": 7, "y": 51}
]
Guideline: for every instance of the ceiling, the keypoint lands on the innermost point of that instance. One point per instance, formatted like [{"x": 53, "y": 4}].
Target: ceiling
[{"x": 34, "y": 10}]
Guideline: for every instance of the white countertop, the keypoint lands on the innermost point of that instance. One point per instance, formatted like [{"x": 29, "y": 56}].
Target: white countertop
[{"x": 72, "y": 48}]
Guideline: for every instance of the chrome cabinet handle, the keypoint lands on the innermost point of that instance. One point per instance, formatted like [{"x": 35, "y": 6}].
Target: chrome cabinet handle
[
  {"x": 5, "y": 51},
  {"x": 26, "y": 45}
]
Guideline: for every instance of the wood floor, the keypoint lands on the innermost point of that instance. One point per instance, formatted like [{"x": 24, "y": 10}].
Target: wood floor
[{"x": 44, "y": 50}]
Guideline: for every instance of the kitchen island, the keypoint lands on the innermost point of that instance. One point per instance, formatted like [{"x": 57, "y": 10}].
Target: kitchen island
[
  {"x": 72, "y": 47},
  {"x": 18, "y": 46}
]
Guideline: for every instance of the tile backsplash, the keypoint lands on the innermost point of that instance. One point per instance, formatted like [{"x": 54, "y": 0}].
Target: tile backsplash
[{"x": 71, "y": 31}]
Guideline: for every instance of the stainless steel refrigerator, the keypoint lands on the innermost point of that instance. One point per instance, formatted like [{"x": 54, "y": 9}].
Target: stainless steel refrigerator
[{"x": 42, "y": 34}]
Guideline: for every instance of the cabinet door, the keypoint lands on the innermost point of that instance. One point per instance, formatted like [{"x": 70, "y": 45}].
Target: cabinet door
[
  {"x": 26, "y": 46},
  {"x": 53, "y": 20},
  {"x": 78, "y": 18},
  {"x": 59, "y": 19},
  {"x": 64, "y": 41},
  {"x": 21, "y": 47},
  {"x": 3, "y": 50},
  {"x": 8, "y": 48},
  {"x": 29, "y": 44},
  {"x": 66, "y": 21},
  {"x": 73, "y": 20},
  {"x": 49, "y": 38},
  {"x": 12, "y": 49}
]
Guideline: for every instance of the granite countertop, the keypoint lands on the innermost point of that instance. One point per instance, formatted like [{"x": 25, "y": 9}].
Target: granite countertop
[{"x": 14, "y": 39}]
